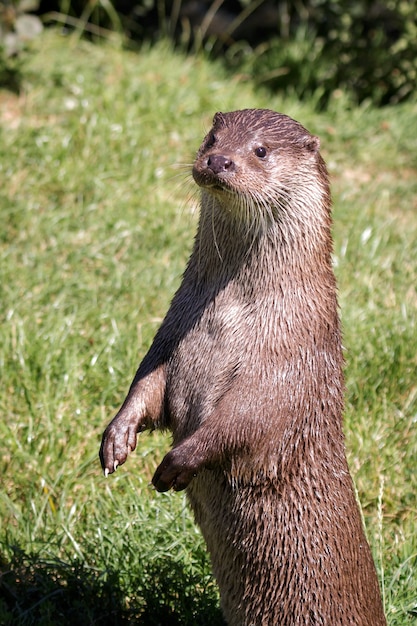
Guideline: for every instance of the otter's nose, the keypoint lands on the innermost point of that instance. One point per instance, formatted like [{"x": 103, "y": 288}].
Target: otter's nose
[{"x": 219, "y": 163}]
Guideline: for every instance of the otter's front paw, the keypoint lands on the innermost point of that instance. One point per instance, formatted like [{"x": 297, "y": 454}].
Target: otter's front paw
[
  {"x": 176, "y": 470},
  {"x": 119, "y": 439}
]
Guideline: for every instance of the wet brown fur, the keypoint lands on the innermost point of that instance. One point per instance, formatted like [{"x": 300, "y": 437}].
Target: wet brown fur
[{"x": 246, "y": 371}]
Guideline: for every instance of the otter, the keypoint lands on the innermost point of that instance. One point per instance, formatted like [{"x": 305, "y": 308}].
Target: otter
[{"x": 246, "y": 371}]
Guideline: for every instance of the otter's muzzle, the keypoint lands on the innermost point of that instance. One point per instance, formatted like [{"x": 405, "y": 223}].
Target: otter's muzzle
[{"x": 219, "y": 163}]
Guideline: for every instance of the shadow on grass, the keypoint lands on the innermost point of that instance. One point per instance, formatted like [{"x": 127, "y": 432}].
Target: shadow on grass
[{"x": 50, "y": 592}]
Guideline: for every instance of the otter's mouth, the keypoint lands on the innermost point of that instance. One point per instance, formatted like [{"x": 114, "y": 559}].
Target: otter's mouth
[
  {"x": 210, "y": 181},
  {"x": 219, "y": 187}
]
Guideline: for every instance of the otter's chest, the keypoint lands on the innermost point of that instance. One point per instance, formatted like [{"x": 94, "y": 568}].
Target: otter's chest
[{"x": 207, "y": 360}]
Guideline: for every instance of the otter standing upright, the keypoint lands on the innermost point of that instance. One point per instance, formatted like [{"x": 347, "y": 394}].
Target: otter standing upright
[{"x": 246, "y": 371}]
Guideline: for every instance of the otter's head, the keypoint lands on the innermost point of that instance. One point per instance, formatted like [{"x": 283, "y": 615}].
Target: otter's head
[{"x": 256, "y": 162}]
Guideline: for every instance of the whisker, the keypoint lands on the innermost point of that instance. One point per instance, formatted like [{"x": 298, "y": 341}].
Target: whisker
[{"x": 214, "y": 231}]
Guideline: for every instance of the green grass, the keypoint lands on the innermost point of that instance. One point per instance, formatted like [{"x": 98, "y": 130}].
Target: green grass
[{"x": 97, "y": 222}]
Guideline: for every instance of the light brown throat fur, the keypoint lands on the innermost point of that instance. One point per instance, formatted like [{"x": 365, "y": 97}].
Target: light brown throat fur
[{"x": 246, "y": 372}]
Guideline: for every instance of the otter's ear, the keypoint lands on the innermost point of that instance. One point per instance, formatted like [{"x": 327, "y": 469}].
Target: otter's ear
[
  {"x": 311, "y": 143},
  {"x": 218, "y": 119}
]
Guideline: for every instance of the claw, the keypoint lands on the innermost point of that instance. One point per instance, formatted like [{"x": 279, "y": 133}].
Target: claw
[
  {"x": 106, "y": 472},
  {"x": 116, "y": 463}
]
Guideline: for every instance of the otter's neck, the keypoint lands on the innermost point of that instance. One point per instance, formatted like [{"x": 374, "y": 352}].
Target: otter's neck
[{"x": 263, "y": 254}]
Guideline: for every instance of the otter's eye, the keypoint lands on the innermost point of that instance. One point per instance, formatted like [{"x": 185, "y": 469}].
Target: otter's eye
[
  {"x": 211, "y": 140},
  {"x": 260, "y": 152}
]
